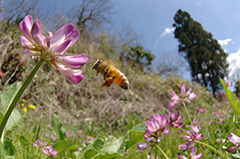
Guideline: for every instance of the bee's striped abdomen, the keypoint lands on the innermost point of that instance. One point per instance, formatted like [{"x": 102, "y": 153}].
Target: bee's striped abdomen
[{"x": 121, "y": 80}]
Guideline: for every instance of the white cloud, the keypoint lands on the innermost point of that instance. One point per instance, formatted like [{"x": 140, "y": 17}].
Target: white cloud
[
  {"x": 224, "y": 42},
  {"x": 234, "y": 65},
  {"x": 165, "y": 32}
]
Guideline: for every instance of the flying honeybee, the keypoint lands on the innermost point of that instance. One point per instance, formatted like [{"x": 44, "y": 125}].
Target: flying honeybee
[{"x": 110, "y": 74}]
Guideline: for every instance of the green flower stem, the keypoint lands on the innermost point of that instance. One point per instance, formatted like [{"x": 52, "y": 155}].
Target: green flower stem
[
  {"x": 170, "y": 136},
  {"x": 162, "y": 151},
  {"x": 226, "y": 155},
  {"x": 18, "y": 95},
  {"x": 201, "y": 150},
  {"x": 187, "y": 112},
  {"x": 202, "y": 143}
]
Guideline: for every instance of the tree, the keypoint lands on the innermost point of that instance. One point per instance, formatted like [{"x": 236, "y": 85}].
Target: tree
[
  {"x": 14, "y": 11},
  {"x": 48, "y": 12},
  {"x": 137, "y": 56},
  {"x": 90, "y": 14},
  {"x": 205, "y": 56},
  {"x": 170, "y": 62},
  {"x": 126, "y": 38},
  {"x": 237, "y": 88}
]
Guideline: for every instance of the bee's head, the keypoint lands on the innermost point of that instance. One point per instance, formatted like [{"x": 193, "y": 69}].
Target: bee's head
[{"x": 96, "y": 64}]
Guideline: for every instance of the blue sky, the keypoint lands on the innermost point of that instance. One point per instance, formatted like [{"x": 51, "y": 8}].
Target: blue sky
[
  {"x": 150, "y": 19},
  {"x": 153, "y": 20}
]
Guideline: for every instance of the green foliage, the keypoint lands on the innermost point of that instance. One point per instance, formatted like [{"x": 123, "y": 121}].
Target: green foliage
[
  {"x": 205, "y": 56},
  {"x": 112, "y": 147},
  {"x": 6, "y": 97},
  {"x": 57, "y": 128},
  {"x": 7, "y": 147},
  {"x": 231, "y": 97},
  {"x": 107, "y": 46},
  {"x": 137, "y": 56},
  {"x": 64, "y": 145},
  {"x": 135, "y": 137}
]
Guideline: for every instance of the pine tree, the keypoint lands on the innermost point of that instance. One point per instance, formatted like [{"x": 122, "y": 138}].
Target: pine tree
[{"x": 204, "y": 54}]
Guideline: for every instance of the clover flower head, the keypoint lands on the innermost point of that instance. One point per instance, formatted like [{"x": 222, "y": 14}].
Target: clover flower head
[
  {"x": 176, "y": 121},
  {"x": 39, "y": 143},
  {"x": 185, "y": 96},
  {"x": 202, "y": 110},
  {"x": 191, "y": 137},
  {"x": 156, "y": 129},
  {"x": 53, "y": 47},
  {"x": 48, "y": 150},
  {"x": 186, "y": 146},
  {"x": 158, "y": 123},
  {"x": 175, "y": 98},
  {"x": 195, "y": 135},
  {"x": 192, "y": 154},
  {"x": 235, "y": 140}
]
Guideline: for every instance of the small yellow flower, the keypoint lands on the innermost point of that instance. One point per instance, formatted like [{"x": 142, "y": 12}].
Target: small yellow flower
[
  {"x": 22, "y": 104},
  {"x": 25, "y": 109},
  {"x": 32, "y": 106},
  {"x": 24, "y": 100}
]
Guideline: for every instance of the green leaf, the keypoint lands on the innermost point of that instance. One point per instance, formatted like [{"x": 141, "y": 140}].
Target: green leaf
[
  {"x": 1, "y": 117},
  {"x": 135, "y": 137},
  {"x": 139, "y": 127},
  {"x": 64, "y": 145},
  {"x": 8, "y": 147},
  {"x": 2, "y": 151},
  {"x": 108, "y": 156},
  {"x": 78, "y": 154},
  {"x": 111, "y": 145},
  {"x": 57, "y": 128},
  {"x": 36, "y": 131},
  {"x": 235, "y": 155},
  {"x": 6, "y": 97},
  {"x": 23, "y": 140},
  {"x": 231, "y": 97},
  {"x": 98, "y": 144},
  {"x": 91, "y": 153},
  {"x": 103, "y": 148}
]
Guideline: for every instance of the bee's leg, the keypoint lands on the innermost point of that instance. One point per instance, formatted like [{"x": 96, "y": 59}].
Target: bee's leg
[
  {"x": 108, "y": 82},
  {"x": 105, "y": 73},
  {"x": 98, "y": 70}
]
